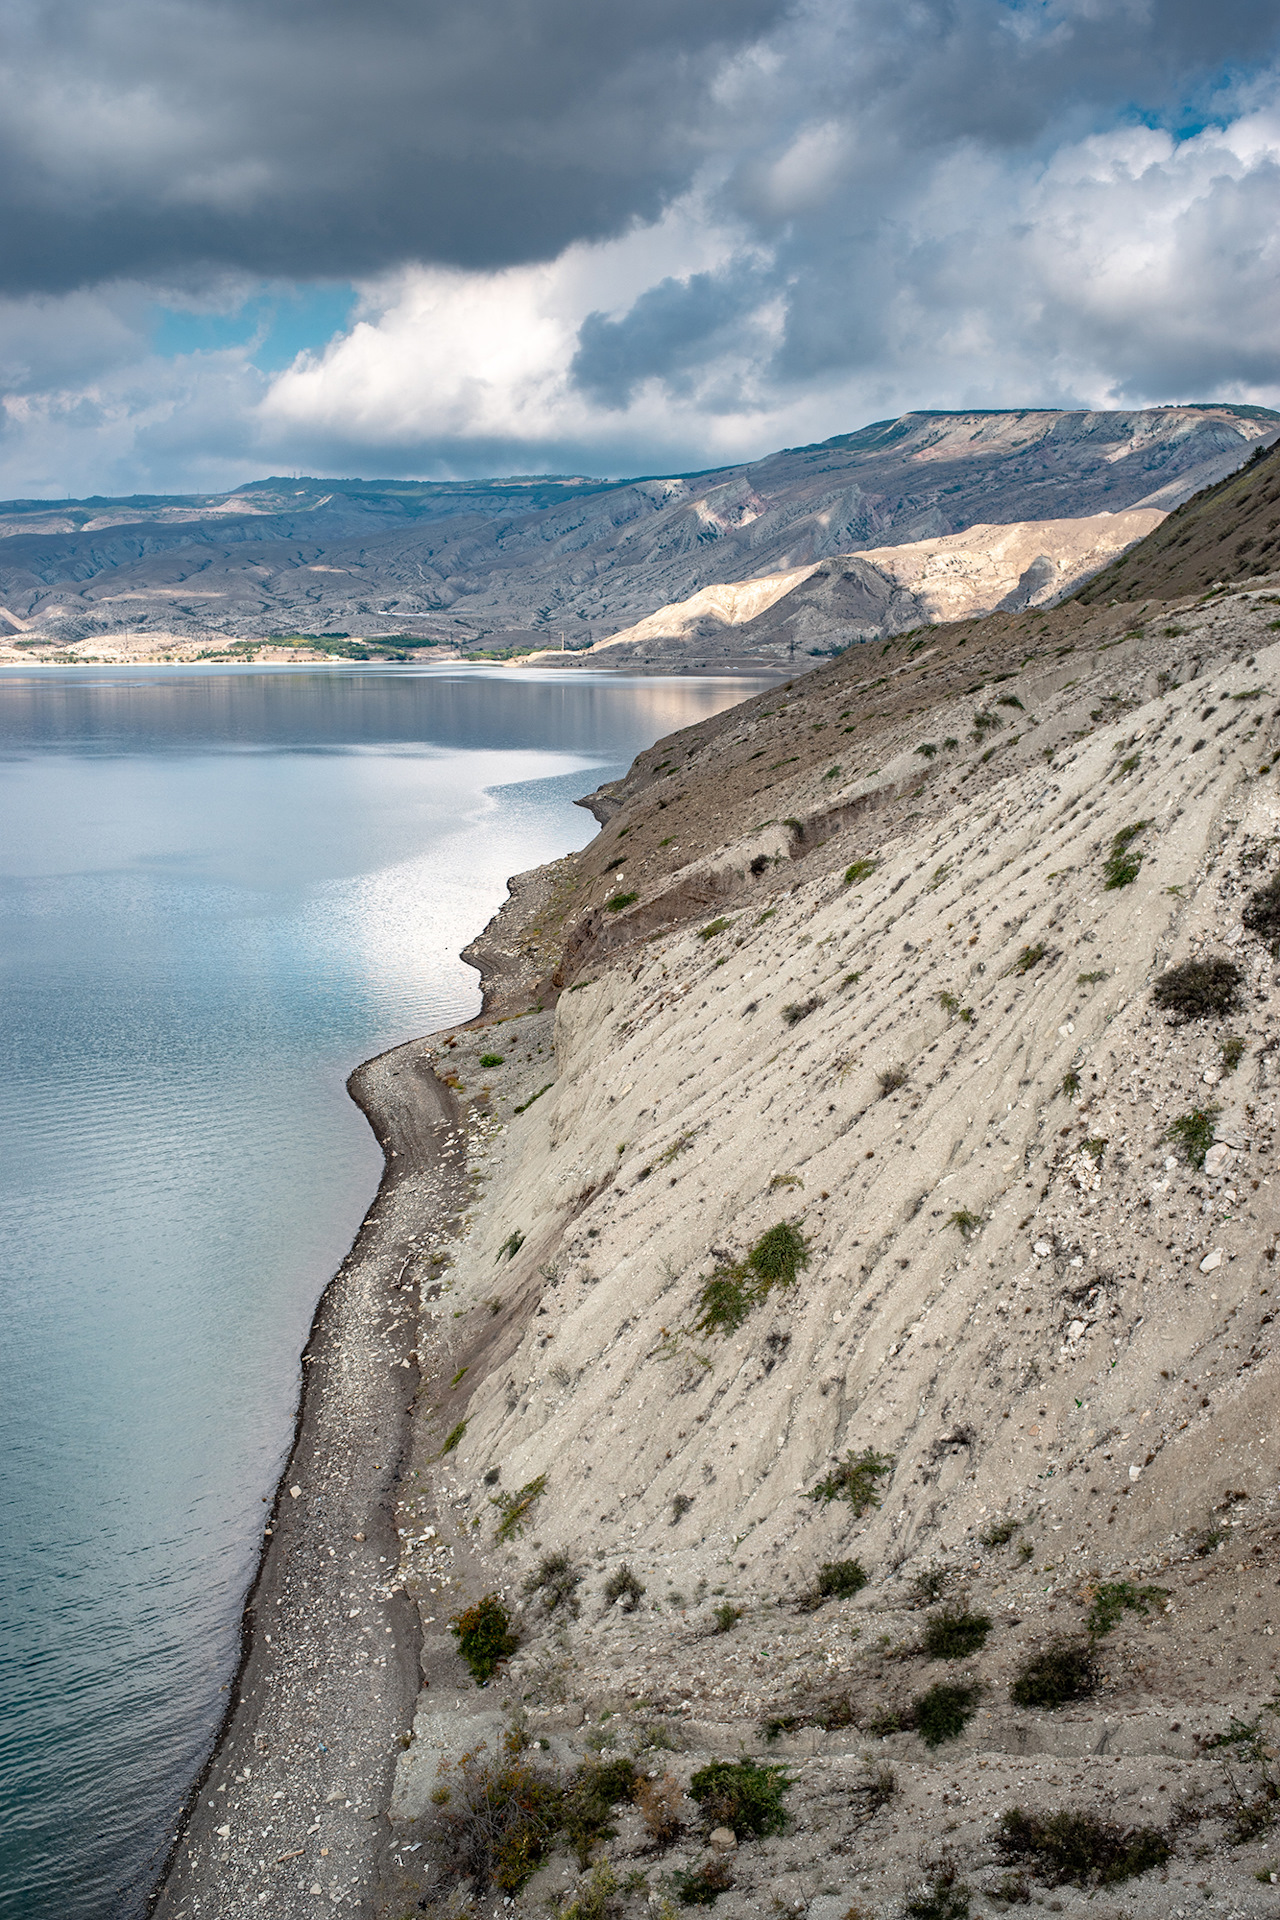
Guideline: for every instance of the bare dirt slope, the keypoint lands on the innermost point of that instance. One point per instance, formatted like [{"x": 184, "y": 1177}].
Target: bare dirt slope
[
  {"x": 789, "y": 618},
  {"x": 884, "y": 999}
]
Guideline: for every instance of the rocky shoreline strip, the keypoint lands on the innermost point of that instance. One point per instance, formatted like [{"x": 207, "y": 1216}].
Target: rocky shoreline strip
[{"x": 288, "y": 1816}]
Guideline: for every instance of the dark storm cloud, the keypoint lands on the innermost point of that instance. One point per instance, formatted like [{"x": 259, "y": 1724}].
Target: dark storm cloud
[
  {"x": 156, "y": 139},
  {"x": 677, "y": 325}
]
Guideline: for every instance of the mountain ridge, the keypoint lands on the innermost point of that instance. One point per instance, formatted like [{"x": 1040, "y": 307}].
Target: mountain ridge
[{"x": 510, "y": 564}]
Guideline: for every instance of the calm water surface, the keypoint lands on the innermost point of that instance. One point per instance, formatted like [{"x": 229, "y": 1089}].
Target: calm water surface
[{"x": 219, "y": 890}]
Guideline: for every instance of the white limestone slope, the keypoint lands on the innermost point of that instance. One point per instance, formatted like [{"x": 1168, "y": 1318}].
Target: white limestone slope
[
  {"x": 1028, "y": 563},
  {"x": 1073, "y": 1358}
]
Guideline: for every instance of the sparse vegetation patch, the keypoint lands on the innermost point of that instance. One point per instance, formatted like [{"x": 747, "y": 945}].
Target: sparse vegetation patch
[
  {"x": 485, "y": 1636},
  {"x": 743, "y": 1795},
  {"x": 1058, "y": 1673},
  {"x": 944, "y": 1711},
  {"x": 514, "y": 1507},
  {"x": 1115, "y": 1597},
  {"x": 955, "y": 1633},
  {"x": 854, "y": 1479},
  {"x": 1199, "y": 989},
  {"x": 1079, "y": 1850},
  {"x": 1120, "y": 868},
  {"x": 1192, "y": 1134}
]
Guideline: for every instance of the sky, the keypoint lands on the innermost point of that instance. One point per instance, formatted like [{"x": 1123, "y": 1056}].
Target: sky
[{"x": 411, "y": 238}]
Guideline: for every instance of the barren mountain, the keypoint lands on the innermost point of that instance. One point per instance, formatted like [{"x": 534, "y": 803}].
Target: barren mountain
[
  {"x": 516, "y": 562},
  {"x": 832, "y": 604}
]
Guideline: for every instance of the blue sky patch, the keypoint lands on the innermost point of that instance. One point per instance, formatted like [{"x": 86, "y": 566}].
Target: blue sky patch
[{"x": 276, "y": 323}]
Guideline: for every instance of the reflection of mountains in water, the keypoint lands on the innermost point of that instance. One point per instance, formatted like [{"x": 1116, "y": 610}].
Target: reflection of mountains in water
[
  {"x": 464, "y": 707},
  {"x": 505, "y": 562}
]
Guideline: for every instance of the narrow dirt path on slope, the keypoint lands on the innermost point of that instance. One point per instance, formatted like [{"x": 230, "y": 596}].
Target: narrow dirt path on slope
[{"x": 289, "y": 1818}]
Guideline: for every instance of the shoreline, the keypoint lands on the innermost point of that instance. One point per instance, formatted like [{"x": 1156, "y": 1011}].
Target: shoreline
[{"x": 302, "y": 1761}]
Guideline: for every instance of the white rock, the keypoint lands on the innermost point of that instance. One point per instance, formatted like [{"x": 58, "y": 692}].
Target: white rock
[
  {"x": 1217, "y": 1157},
  {"x": 1042, "y": 1247},
  {"x": 1211, "y": 1076},
  {"x": 1075, "y": 1329},
  {"x": 1211, "y": 1261},
  {"x": 295, "y": 1493},
  {"x": 723, "y": 1839},
  {"x": 1135, "y": 1473}
]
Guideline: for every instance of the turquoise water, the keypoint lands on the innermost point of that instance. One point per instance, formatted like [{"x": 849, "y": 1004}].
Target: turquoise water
[{"x": 219, "y": 890}]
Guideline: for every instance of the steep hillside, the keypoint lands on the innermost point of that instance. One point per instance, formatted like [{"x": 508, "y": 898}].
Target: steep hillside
[
  {"x": 790, "y": 617},
  {"x": 867, "y": 1293},
  {"x": 502, "y": 564}
]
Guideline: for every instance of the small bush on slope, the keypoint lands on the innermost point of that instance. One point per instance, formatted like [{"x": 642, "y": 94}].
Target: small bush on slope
[{"x": 1199, "y": 989}]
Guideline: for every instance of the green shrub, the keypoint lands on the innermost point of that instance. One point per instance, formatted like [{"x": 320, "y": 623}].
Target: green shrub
[
  {"x": 797, "y": 1010},
  {"x": 743, "y": 1795},
  {"x": 724, "y": 1301},
  {"x": 620, "y": 901},
  {"x": 860, "y": 870},
  {"x": 453, "y": 1439},
  {"x": 955, "y": 1633},
  {"x": 598, "y": 1786},
  {"x": 1071, "y": 1083},
  {"x": 1233, "y": 1052},
  {"x": 1057, "y": 1674},
  {"x": 778, "y": 1255},
  {"x": 623, "y": 1585},
  {"x": 485, "y": 1636},
  {"x": 511, "y": 1245},
  {"x": 854, "y": 1479},
  {"x": 594, "y": 1902},
  {"x": 927, "y": 748},
  {"x": 555, "y": 1580},
  {"x": 492, "y": 1059},
  {"x": 514, "y": 1507},
  {"x": 840, "y": 1579},
  {"x": 967, "y": 1222},
  {"x": 495, "y": 1821},
  {"x": 1079, "y": 1850},
  {"x": 890, "y": 1079},
  {"x": 999, "y": 1533},
  {"x": 726, "y": 1616},
  {"x": 1029, "y": 957},
  {"x": 712, "y": 928},
  {"x": 1115, "y": 1597},
  {"x": 1192, "y": 1134},
  {"x": 944, "y": 1711},
  {"x": 1199, "y": 989},
  {"x": 1262, "y": 913},
  {"x": 1120, "y": 868},
  {"x": 701, "y": 1886}
]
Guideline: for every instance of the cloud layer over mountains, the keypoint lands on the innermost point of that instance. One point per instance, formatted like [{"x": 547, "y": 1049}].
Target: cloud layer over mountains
[{"x": 619, "y": 238}]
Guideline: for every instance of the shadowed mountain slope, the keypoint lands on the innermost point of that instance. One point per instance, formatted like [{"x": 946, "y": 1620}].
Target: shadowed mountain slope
[{"x": 509, "y": 563}]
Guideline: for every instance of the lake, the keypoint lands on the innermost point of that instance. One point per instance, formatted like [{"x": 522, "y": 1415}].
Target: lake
[{"x": 220, "y": 889}]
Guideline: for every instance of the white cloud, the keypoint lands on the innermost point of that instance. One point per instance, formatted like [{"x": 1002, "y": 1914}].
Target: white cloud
[{"x": 880, "y": 221}]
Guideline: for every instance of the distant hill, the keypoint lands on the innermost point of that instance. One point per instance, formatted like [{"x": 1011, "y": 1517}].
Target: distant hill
[{"x": 496, "y": 564}]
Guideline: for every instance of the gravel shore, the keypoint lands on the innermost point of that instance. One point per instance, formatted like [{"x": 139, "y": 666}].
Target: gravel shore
[{"x": 289, "y": 1816}]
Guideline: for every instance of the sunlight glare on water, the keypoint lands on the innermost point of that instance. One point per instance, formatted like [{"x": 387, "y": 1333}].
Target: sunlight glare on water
[{"x": 219, "y": 891}]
